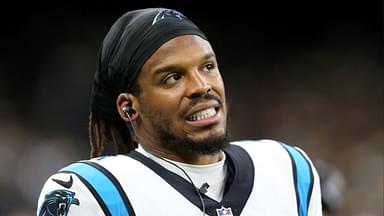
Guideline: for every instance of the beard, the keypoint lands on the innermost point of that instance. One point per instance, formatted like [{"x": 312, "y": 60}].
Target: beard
[
  {"x": 208, "y": 146},
  {"x": 182, "y": 144}
]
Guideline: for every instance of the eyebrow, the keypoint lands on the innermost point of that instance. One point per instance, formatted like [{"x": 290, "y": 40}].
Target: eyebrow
[{"x": 175, "y": 66}]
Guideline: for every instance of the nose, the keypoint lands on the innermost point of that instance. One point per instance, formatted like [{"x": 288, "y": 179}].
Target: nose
[{"x": 198, "y": 85}]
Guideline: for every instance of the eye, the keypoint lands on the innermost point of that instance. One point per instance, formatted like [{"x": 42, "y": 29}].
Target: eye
[
  {"x": 172, "y": 78},
  {"x": 209, "y": 66}
]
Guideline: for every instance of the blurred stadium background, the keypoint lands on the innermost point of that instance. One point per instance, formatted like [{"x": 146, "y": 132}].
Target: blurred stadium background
[{"x": 306, "y": 74}]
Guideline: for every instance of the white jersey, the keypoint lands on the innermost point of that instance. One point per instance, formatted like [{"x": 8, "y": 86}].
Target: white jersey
[{"x": 264, "y": 177}]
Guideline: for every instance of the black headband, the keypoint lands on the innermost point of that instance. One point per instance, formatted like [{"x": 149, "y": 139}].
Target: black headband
[{"x": 132, "y": 39}]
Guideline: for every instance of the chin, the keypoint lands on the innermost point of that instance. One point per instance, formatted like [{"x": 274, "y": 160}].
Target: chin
[
  {"x": 209, "y": 143},
  {"x": 206, "y": 135}
]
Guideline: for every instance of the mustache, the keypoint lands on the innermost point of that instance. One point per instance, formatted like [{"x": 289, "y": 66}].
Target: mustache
[
  {"x": 204, "y": 97},
  {"x": 196, "y": 100}
]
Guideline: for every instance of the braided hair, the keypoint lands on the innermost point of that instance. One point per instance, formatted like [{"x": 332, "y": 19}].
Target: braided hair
[{"x": 104, "y": 132}]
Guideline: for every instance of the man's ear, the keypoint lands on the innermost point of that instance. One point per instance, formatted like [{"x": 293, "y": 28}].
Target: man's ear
[{"x": 126, "y": 104}]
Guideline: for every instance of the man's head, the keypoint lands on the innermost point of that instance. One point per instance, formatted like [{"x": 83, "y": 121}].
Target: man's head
[{"x": 158, "y": 63}]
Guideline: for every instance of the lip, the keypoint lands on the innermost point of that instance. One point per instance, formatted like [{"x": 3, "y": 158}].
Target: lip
[{"x": 202, "y": 106}]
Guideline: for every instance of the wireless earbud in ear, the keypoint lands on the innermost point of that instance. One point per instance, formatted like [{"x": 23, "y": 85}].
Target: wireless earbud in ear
[{"x": 128, "y": 111}]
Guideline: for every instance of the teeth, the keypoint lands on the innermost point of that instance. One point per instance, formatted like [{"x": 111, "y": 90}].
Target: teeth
[{"x": 204, "y": 114}]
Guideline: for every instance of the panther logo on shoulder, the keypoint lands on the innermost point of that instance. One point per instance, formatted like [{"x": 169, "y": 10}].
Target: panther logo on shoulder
[{"x": 57, "y": 203}]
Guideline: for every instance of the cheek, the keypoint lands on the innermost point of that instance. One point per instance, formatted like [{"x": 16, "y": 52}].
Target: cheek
[
  {"x": 219, "y": 87},
  {"x": 163, "y": 103}
]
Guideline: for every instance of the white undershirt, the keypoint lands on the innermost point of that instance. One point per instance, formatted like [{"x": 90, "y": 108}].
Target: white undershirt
[{"x": 214, "y": 174}]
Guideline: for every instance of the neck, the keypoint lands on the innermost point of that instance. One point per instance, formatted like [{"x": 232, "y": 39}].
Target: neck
[{"x": 188, "y": 158}]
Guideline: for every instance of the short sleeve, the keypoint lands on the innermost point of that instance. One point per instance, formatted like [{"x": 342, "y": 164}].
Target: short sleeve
[{"x": 65, "y": 194}]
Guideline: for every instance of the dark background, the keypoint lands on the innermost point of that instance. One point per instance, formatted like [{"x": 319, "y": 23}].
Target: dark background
[{"x": 310, "y": 75}]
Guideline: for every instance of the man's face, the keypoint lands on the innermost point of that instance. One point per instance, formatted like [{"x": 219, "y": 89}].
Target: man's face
[{"x": 182, "y": 101}]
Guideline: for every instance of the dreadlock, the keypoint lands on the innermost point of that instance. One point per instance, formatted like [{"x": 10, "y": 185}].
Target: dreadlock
[{"x": 103, "y": 132}]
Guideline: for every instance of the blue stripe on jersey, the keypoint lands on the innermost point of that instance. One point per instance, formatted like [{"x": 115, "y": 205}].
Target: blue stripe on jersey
[
  {"x": 102, "y": 185},
  {"x": 304, "y": 179}
]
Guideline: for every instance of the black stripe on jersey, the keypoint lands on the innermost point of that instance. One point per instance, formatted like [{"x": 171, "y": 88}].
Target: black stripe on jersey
[
  {"x": 239, "y": 185},
  {"x": 93, "y": 192},
  {"x": 116, "y": 183},
  {"x": 237, "y": 189},
  {"x": 312, "y": 179},
  {"x": 294, "y": 170}
]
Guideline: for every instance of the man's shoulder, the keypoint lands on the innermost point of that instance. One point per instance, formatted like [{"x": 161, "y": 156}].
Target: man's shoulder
[
  {"x": 261, "y": 144},
  {"x": 269, "y": 148},
  {"x": 78, "y": 182},
  {"x": 254, "y": 141},
  {"x": 106, "y": 163},
  {"x": 77, "y": 172}
]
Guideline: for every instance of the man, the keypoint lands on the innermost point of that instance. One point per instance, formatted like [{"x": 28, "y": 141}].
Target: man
[{"x": 159, "y": 97}]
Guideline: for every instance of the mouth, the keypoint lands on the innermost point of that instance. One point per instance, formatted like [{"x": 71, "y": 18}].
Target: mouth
[{"x": 204, "y": 115}]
